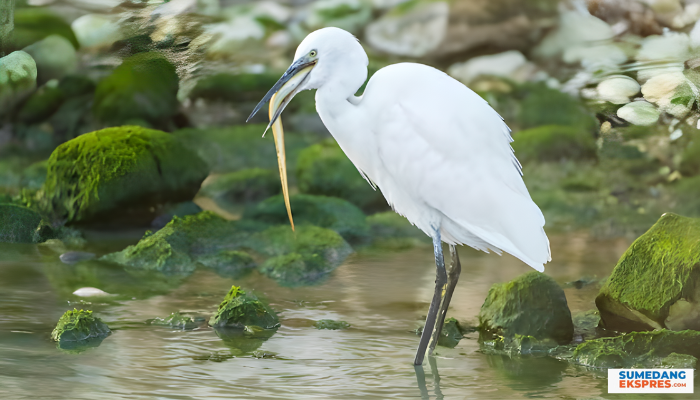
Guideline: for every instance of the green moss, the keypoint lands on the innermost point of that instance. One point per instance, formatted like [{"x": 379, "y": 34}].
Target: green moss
[
  {"x": 229, "y": 263},
  {"x": 675, "y": 360},
  {"x": 655, "y": 271},
  {"x": 554, "y": 142},
  {"x": 241, "y": 310},
  {"x": 79, "y": 325},
  {"x": 33, "y": 24},
  {"x": 327, "y": 212},
  {"x": 390, "y": 230},
  {"x": 331, "y": 324},
  {"x": 532, "y": 304},
  {"x": 143, "y": 87},
  {"x": 300, "y": 257},
  {"x": 100, "y": 171},
  {"x": 638, "y": 349},
  {"x": 323, "y": 169},
  {"x": 244, "y": 187},
  {"x": 234, "y": 87},
  {"x": 541, "y": 105},
  {"x": 175, "y": 321},
  {"x": 18, "y": 224}
]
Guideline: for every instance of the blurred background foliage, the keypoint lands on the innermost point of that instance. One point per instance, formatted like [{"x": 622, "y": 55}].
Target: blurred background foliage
[{"x": 602, "y": 95}]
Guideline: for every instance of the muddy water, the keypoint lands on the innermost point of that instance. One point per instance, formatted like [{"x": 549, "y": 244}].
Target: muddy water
[{"x": 382, "y": 295}]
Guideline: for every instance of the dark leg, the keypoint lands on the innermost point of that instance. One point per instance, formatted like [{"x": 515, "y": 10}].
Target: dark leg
[
  {"x": 440, "y": 281},
  {"x": 452, "y": 278}
]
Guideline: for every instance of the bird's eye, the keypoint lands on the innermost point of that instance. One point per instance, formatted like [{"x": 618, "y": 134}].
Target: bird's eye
[{"x": 313, "y": 53}]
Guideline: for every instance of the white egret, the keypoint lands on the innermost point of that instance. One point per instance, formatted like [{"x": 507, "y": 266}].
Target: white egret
[{"x": 439, "y": 153}]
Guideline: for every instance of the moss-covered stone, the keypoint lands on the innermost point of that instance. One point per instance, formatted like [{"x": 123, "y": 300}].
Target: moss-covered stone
[
  {"x": 554, "y": 142},
  {"x": 327, "y": 212},
  {"x": 532, "y": 304},
  {"x": 116, "y": 168},
  {"x": 243, "y": 187},
  {"x": 17, "y": 79},
  {"x": 175, "y": 321},
  {"x": 300, "y": 257},
  {"x": 33, "y": 24},
  {"x": 652, "y": 280},
  {"x": 234, "y": 87},
  {"x": 55, "y": 57},
  {"x": 241, "y": 309},
  {"x": 541, "y": 105},
  {"x": 18, "y": 224},
  {"x": 79, "y": 325},
  {"x": 323, "y": 169},
  {"x": 390, "y": 230},
  {"x": 675, "y": 360},
  {"x": 331, "y": 324},
  {"x": 41, "y": 105},
  {"x": 637, "y": 349},
  {"x": 229, "y": 263},
  {"x": 143, "y": 87},
  {"x": 450, "y": 335}
]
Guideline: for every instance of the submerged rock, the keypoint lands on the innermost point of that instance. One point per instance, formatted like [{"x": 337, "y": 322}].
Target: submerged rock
[
  {"x": 326, "y": 212},
  {"x": 640, "y": 350},
  {"x": 656, "y": 283},
  {"x": 452, "y": 333},
  {"x": 554, "y": 142},
  {"x": 243, "y": 187},
  {"x": 331, "y": 324},
  {"x": 523, "y": 345},
  {"x": 530, "y": 305},
  {"x": 243, "y": 310},
  {"x": 299, "y": 257},
  {"x": 144, "y": 87},
  {"x": 17, "y": 78},
  {"x": 324, "y": 169},
  {"x": 18, "y": 224},
  {"x": 121, "y": 168},
  {"x": 76, "y": 326},
  {"x": 175, "y": 321}
]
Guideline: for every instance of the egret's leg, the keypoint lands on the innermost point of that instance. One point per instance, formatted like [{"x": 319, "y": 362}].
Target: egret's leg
[
  {"x": 440, "y": 281},
  {"x": 452, "y": 278}
]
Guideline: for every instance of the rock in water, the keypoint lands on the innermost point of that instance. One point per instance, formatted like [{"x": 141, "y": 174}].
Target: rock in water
[
  {"x": 326, "y": 212},
  {"x": 243, "y": 310},
  {"x": 129, "y": 167},
  {"x": 175, "y": 321},
  {"x": 641, "y": 350},
  {"x": 17, "y": 78},
  {"x": 76, "y": 326},
  {"x": 55, "y": 57},
  {"x": 243, "y": 187},
  {"x": 90, "y": 291},
  {"x": 656, "y": 283},
  {"x": 144, "y": 87},
  {"x": 532, "y": 304},
  {"x": 72, "y": 257},
  {"x": 331, "y": 324},
  {"x": 18, "y": 224}
]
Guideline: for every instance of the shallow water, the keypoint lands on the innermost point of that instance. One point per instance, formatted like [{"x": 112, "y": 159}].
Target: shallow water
[{"x": 382, "y": 295}]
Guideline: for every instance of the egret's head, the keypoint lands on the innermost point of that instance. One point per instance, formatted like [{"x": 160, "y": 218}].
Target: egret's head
[{"x": 325, "y": 55}]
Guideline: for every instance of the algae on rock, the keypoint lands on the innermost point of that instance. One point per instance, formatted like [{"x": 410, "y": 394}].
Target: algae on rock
[
  {"x": 243, "y": 187},
  {"x": 79, "y": 325},
  {"x": 532, "y": 304},
  {"x": 18, "y": 224},
  {"x": 331, "y": 324},
  {"x": 117, "y": 168},
  {"x": 175, "y": 321},
  {"x": 241, "y": 309},
  {"x": 656, "y": 283}
]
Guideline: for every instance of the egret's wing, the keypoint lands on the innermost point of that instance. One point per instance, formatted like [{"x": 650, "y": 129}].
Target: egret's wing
[{"x": 443, "y": 145}]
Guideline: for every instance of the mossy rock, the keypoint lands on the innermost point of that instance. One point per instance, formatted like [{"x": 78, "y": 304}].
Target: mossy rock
[
  {"x": 17, "y": 79},
  {"x": 169, "y": 211},
  {"x": 302, "y": 257},
  {"x": 234, "y": 87},
  {"x": 554, "y": 142},
  {"x": 33, "y": 24},
  {"x": 175, "y": 321},
  {"x": 656, "y": 282},
  {"x": 55, "y": 57},
  {"x": 79, "y": 325},
  {"x": 323, "y": 169},
  {"x": 327, "y": 212},
  {"x": 638, "y": 349},
  {"x": 241, "y": 147},
  {"x": 97, "y": 173},
  {"x": 143, "y": 87},
  {"x": 229, "y": 263},
  {"x": 541, "y": 105},
  {"x": 331, "y": 324},
  {"x": 243, "y": 187},
  {"x": 531, "y": 305},
  {"x": 522, "y": 345},
  {"x": 241, "y": 309},
  {"x": 41, "y": 105},
  {"x": 18, "y": 224},
  {"x": 390, "y": 230},
  {"x": 450, "y": 335}
]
